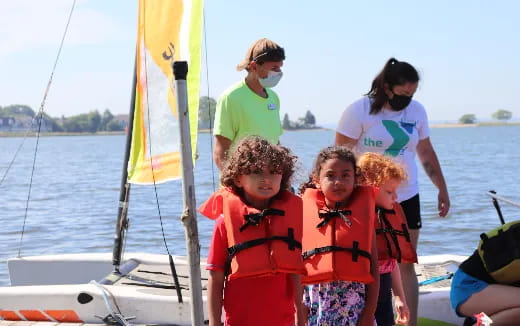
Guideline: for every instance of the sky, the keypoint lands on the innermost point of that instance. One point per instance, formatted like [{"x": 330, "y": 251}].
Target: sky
[{"x": 467, "y": 52}]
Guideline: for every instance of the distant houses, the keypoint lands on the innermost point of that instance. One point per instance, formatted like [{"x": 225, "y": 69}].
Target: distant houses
[
  {"x": 23, "y": 123},
  {"x": 6, "y": 123},
  {"x": 122, "y": 120}
]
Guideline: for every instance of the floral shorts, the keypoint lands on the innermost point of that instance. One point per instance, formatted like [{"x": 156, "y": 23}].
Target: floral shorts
[{"x": 334, "y": 303}]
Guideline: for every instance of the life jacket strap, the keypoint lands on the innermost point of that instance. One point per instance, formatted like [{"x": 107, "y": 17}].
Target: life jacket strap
[
  {"x": 292, "y": 244},
  {"x": 387, "y": 230},
  {"x": 330, "y": 214},
  {"x": 256, "y": 218},
  {"x": 356, "y": 252}
]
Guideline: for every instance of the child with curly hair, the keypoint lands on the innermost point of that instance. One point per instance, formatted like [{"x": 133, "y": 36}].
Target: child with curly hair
[
  {"x": 339, "y": 250},
  {"x": 392, "y": 235},
  {"x": 255, "y": 258}
]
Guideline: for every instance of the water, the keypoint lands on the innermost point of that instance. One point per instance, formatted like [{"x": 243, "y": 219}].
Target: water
[{"x": 76, "y": 188}]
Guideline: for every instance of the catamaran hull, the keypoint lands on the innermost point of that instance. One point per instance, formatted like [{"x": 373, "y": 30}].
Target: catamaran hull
[
  {"x": 84, "y": 303},
  {"x": 59, "y": 288}
]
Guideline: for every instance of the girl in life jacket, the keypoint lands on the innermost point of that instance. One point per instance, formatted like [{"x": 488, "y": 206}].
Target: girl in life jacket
[
  {"x": 339, "y": 251},
  {"x": 255, "y": 256},
  {"x": 392, "y": 236}
]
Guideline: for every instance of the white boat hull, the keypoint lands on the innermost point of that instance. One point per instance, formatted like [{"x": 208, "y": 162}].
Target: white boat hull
[{"x": 57, "y": 288}]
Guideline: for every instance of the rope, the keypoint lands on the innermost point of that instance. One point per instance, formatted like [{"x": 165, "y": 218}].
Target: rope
[
  {"x": 40, "y": 112},
  {"x": 150, "y": 140},
  {"x": 18, "y": 149},
  {"x": 207, "y": 92},
  {"x": 510, "y": 202},
  {"x": 172, "y": 263}
]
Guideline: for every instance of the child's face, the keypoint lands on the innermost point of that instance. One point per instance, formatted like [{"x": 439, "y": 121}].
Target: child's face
[
  {"x": 259, "y": 187},
  {"x": 336, "y": 180},
  {"x": 387, "y": 194}
]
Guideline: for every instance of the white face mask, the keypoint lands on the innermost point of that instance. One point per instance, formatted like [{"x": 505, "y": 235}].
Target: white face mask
[{"x": 272, "y": 79}]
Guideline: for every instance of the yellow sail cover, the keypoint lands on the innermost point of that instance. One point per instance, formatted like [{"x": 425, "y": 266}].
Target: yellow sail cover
[{"x": 168, "y": 30}]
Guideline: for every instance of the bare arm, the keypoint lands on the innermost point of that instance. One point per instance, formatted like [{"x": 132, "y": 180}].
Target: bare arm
[
  {"x": 220, "y": 149},
  {"x": 432, "y": 167},
  {"x": 403, "y": 313},
  {"x": 301, "y": 318},
  {"x": 367, "y": 316},
  {"x": 345, "y": 141},
  {"x": 215, "y": 297}
]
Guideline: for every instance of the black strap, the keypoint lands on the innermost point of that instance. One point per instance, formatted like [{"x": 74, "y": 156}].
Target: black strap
[
  {"x": 327, "y": 215},
  {"x": 356, "y": 252},
  {"x": 256, "y": 218},
  {"x": 387, "y": 230},
  {"x": 292, "y": 244}
]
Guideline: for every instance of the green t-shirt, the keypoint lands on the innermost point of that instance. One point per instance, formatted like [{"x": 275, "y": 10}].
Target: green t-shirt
[{"x": 241, "y": 112}]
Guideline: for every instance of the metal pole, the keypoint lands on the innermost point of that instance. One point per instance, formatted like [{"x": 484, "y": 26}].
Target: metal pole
[
  {"x": 180, "y": 71},
  {"x": 124, "y": 191},
  {"x": 492, "y": 193}
]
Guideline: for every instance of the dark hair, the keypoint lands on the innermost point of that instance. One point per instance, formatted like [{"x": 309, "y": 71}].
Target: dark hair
[
  {"x": 274, "y": 54},
  {"x": 394, "y": 73},
  {"x": 255, "y": 153},
  {"x": 339, "y": 152}
]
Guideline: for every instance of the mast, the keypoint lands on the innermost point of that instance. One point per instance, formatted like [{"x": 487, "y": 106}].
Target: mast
[
  {"x": 124, "y": 191},
  {"x": 180, "y": 71}
]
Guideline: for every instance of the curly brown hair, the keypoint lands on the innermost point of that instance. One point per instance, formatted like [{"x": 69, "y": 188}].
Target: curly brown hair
[
  {"x": 340, "y": 152},
  {"x": 254, "y": 153},
  {"x": 376, "y": 169}
]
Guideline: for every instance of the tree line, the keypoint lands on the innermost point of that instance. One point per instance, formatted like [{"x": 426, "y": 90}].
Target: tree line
[
  {"x": 208, "y": 105},
  {"x": 25, "y": 116},
  {"x": 501, "y": 115}
]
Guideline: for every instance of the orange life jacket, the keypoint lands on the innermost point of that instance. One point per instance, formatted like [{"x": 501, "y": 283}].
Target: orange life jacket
[
  {"x": 337, "y": 244},
  {"x": 393, "y": 237},
  {"x": 272, "y": 236}
]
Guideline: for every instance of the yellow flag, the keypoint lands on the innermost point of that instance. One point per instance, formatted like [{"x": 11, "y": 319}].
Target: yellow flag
[{"x": 168, "y": 30}]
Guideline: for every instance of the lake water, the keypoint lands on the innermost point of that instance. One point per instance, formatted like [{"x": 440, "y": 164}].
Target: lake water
[{"x": 75, "y": 192}]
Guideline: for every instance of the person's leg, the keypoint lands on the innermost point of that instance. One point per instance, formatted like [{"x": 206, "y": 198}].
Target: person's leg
[
  {"x": 500, "y": 302},
  {"x": 412, "y": 210},
  {"x": 385, "y": 311},
  {"x": 508, "y": 317},
  {"x": 410, "y": 282}
]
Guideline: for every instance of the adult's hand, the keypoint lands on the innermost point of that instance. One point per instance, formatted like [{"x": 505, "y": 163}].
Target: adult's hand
[
  {"x": 443, "y": 203},
  {"x": 432, "y": 167}
]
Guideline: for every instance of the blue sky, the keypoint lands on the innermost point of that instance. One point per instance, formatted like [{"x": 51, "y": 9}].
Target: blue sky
[{"x": 466, "y": 52}]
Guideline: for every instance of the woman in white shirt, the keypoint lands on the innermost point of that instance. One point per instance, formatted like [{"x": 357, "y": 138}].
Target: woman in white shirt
[{"x": 387, "y": 120}]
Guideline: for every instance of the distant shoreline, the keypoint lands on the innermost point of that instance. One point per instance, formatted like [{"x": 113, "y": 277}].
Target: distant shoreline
[
  {"x": 467, "y": 125},
  {"x": 53, "y": 134},
  {"x": 205, "y": 131}
]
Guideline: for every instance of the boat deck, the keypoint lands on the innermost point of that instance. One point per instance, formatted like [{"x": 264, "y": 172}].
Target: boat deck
[
  {"x": 156, "y": 277},
  {"x": 430, "y": 271}
]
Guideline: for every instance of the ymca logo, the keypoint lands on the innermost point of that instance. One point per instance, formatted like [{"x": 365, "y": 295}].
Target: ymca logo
[{"x": 399, "y": 136}]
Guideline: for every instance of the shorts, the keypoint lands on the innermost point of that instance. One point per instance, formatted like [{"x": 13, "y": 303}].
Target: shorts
[
  {"x": 463, "y": 286},
  {"x": 412, "y": 211},
  {"x": 385, "y": 311}
]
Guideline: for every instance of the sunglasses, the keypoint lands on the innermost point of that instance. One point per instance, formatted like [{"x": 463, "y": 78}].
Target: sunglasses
[{"x": 277, "y": 54}]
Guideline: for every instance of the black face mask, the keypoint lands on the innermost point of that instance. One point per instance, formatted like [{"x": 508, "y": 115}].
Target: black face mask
[{"x": 399, "y": 102}]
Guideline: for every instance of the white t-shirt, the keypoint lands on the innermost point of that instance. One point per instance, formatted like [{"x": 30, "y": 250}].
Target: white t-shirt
[{"x": 392, "y": 133}]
